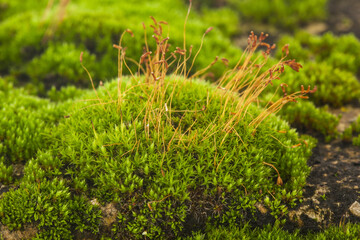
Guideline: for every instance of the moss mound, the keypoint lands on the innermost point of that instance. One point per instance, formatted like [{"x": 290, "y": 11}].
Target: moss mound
[{"x": 162, "y": 169}]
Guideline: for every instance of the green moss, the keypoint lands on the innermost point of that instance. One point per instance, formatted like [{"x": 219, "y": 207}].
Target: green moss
[
  {"x": 352, "y": 133},
  {"x": 31, "y": 50},
  {"x": 59, "y": 65},
  {"x": 305, "y": 116},
  {"x": 339, "y": 52},
  {"x": 24, "y": 123},
  {"x": 50, "y": 206},
  {"x": 64, "y": 94},
  {"x": 285, "y": 14},
  {"x": 107, "y": 154},
  {"x": 12, "y": 7},
  {"x": 20, "y": 42},
  {"x": 330, "y": 63},
  {"x": 348, "y": 231},
  {"x": 335, "y": 87},
  {"x": 224, "y": 19}
]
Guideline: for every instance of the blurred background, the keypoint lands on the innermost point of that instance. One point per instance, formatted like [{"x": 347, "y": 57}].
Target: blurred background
[{"x": 41, "y": 40}]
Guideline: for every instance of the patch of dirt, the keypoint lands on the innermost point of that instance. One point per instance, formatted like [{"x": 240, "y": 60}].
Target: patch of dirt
[
  {"x": 348, "y": 114},
  {"x": 332, "y": 191},
  {"x": 344, "y": 16},
  {"x": 28, "y": 232},
  {"x": 332, "y": 187}
]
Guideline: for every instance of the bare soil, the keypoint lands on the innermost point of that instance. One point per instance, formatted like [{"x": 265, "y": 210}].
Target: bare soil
[
  {"x": 344, "y": 16},
  {"x": 334, "y": 181}
]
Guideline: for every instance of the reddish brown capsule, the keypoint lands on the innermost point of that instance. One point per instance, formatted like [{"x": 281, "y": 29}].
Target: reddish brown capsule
[
  {"x": 279, "y": 181},
  {"x": 130, "y": 32},
  {"x": 154, "y": 20},
  {"x": 208, "y": 30},
  {"x": 314, "y": 90},
  {"x": 117, "y": 46},
  {"x": 81, "y": 56},
  {"x": 296, "y": 145},
  {"x": 285, "y": 49}
]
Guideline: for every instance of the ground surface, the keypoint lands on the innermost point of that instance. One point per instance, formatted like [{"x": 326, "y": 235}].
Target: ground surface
[
  {"x": 334, "y": 182},
  {"x": 332, "y": 187},
  {"x": 344, "y": 16}
]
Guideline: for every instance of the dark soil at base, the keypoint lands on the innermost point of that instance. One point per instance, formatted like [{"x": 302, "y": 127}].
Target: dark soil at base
[
  {"x": 332, "y": 187},
  {"x": 344, "y": 16}
]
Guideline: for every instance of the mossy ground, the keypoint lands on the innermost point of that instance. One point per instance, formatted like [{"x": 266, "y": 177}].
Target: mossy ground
[
  {"x": 104, "y": 172},
  {"x": 158, "y": 178}
]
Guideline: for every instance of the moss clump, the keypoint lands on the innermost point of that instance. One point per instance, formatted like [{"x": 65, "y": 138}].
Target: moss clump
[
  {"x": 340, "y": 52},
  {"x": 64, "y": 93},
  {"x": 42, "y": 51},
  {"x": 285, "y": 14},
  {"x": 110, "y": 155},
  {"x": 25, "y": 119},
  {"x": 306, "y": 117},
  {"x": 331, "y": 64},
  {"x": 55, "y": 67},
  {"x": 335, "y": 63},
  {"x": 352, "y": 133},
  {"x": 165, "y": 151},
  {"x": 336, "y": 87},
  {"x": 49, "y": 205},
  {"x": 348, "y": 231}
]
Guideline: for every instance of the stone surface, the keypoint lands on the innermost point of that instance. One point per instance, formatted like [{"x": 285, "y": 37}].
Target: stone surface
[
  {"x": 109, "y": 214},
  {"x": 261, "y": 208},
  {"x": 355, "y": 209},
  {"x": 316, "y": 28}
]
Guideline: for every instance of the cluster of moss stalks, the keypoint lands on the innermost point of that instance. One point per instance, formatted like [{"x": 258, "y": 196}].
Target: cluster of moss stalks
[
  {"x": 154, "y": 155},
  {"x": 43, "y": 53}
]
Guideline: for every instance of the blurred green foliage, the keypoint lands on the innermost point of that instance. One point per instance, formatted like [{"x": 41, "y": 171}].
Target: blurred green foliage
[
  {"x": 329, "y": 62},
  {"x": 282, "y": 13},
  {"x": 46, "y": 49},
  {"x": 352, "y": 133}
]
